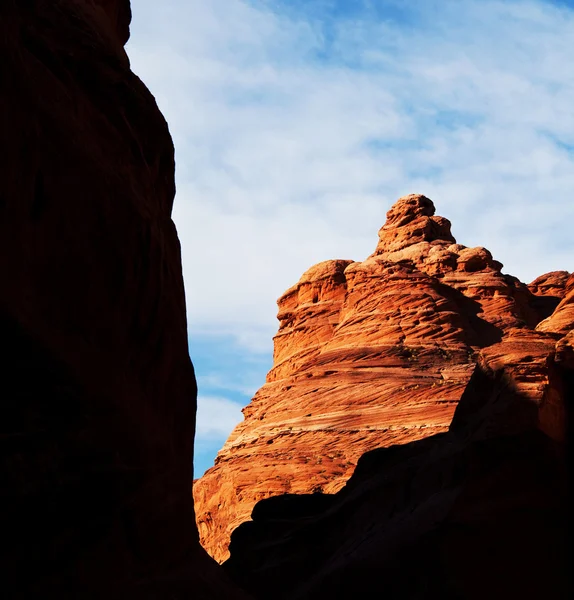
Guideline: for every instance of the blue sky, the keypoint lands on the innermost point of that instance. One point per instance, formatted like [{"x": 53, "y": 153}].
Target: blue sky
[{"x": 298, "y": 123}]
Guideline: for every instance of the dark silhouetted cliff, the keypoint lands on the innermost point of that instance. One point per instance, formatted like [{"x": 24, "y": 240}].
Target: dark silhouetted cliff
[{"x": 97, "y": 392}]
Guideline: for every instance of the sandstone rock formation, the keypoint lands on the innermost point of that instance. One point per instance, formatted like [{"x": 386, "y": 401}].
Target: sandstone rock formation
[
  {"x": 478, "y": 512},
  {"x": 97, "y": 397},
  {"x": 376, "y": 353},
  {"x": 561, "y": 320}
]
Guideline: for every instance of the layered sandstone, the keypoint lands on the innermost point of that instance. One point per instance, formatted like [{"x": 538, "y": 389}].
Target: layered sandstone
[
  {"x": 560, "y": 321},
  {"x": 368, "y": 354},
  {"x": 481, "y": 511},
  {"x": 97, "y": 393}
]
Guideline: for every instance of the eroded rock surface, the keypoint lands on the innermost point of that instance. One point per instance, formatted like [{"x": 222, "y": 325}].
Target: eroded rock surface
[
  {"x": 97, "y": 398},
  {"x": 480, "y": 511},
  {"x": 371, "y": 354},
  {"x": 560, "y": 321}
]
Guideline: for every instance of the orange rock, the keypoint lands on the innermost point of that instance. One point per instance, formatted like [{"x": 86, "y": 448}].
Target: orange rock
[
  {"x": 368, "y": 354},
  {"x": 462, "y": 514},
  {"x": 550, "y": 284},
  {"x": 561, "y": 321}
]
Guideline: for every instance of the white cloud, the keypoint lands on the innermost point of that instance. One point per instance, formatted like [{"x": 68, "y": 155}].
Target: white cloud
[
  {"x": 284, "y": 159},
  {"x": 245, "y": 383},
  {"x": 216, "y": 417}
]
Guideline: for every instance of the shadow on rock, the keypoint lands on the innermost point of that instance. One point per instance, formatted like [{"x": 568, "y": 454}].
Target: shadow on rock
[{"x": 478, "y": 512}]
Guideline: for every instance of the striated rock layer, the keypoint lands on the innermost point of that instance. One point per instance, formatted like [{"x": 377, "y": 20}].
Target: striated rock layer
[
  {"x": 480, "y": 511},
  {"x": 372, "y": 354},
  {"x": 97, "y": 398}
]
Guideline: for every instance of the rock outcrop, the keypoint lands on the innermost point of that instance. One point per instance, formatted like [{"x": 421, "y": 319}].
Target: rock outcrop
[
  {"x": 97, "y": 397},
  {"x": 373, "y": 354},
  {"x": 480, "y": 511},
  {"x": 561, "y": 320}
]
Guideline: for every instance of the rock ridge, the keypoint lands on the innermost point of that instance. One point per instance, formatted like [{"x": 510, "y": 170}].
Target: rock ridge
[{"x": 372, "y": 354}]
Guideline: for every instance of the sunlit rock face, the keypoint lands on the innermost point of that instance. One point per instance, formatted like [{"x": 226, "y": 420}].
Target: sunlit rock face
[
  {"x": 480, "y": 511},
  {"x": 98, "y": 394},
  {"x": 561, "y": 320},
  {"x": 371, "y": 354}
]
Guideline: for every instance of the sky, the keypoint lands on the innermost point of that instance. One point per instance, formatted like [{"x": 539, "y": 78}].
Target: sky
[{"x": 298, "y": 123}]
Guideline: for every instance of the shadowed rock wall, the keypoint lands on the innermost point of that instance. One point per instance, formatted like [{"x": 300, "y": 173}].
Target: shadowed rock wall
[{"x": 97, "y": 392}]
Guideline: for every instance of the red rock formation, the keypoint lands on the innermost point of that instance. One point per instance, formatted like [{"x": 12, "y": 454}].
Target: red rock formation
[
  {"x": 548, "y": 290},
  {"x": 478, "y": 512},
  {"x": 97, "y": 391},
  {"x": 561, "y": 320},
  {"x": 368, "y": 354},
  {"x": 550, "y": 284}
]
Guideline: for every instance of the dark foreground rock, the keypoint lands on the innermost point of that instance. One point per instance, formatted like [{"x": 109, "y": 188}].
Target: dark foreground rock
[{"x": 97, "y": 392}]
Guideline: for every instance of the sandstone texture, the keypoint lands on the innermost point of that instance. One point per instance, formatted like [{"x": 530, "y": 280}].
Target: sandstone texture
[
  {"x": 561, "y": 320},
  {"x": 480, "y": 511},
  {"x": 97, "y": 397},
  {"x": 379, "y": 353}
]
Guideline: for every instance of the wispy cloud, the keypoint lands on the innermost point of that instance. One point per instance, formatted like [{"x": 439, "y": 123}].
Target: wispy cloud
[
  {"x": 297, "y": 125},
  {"x": 296, "y": 128},
  {"x": 216, "y": 416}
]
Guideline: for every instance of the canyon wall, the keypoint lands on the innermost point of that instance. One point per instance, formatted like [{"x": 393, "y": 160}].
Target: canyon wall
[
  {"x": 377, "y": 353},
  {"x": 98, "y": 394},
  {"x": 480, "y": 511}
]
